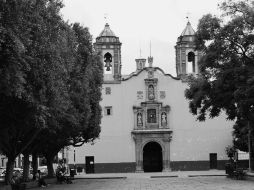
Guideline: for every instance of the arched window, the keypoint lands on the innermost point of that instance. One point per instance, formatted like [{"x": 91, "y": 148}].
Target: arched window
[{"x": 151, "y": 116}]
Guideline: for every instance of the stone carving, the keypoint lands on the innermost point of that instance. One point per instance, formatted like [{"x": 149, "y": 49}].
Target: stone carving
[
  {"x": 139, "y": 119},
  {"x": 162, "y": 94},
  {"x": 150, "y": 74},
  {"x": 139, "y": 95},
  {"x": 163, "y": 118},
  {"x": 108, "y": 90},
  {"x": 151, "y": 92}
]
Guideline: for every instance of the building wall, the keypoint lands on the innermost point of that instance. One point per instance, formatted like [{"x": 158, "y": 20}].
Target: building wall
[{"x": 192, "y": 141}]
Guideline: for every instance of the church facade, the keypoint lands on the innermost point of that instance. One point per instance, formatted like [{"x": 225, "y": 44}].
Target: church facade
[{"x": 146, "y": 124}]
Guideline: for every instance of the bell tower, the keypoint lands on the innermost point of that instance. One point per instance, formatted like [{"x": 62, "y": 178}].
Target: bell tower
[
  {"x": 186, "y": 56},
  {"x": 108, "y": 44}
]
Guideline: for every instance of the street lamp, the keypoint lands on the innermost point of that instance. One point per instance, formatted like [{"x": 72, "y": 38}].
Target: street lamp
[
  {"x": 249, "y": 140},
  {"x": 74, "y": 158},
  {"x": 249, "y": 145}
]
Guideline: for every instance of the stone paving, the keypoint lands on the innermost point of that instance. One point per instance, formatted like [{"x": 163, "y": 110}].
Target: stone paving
[{"x": 164, "y": 183}]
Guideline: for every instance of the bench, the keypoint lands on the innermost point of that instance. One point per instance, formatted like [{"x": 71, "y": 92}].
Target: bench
[{"x": 239, "y": 173}]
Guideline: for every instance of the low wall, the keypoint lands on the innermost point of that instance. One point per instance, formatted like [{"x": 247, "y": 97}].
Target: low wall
[{"x": 127, "y": 167}]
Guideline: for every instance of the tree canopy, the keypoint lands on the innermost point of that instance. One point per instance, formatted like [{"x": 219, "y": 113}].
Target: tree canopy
[
  {"x": 226, "y": 79},
  {"x": 50, "y": 81}
]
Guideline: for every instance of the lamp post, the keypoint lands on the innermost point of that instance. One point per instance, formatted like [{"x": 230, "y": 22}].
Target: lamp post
[
  {"x": 250, "y": 139},
  {"x": 74, "y": 158},
  {"x": 249, "y": 146}
]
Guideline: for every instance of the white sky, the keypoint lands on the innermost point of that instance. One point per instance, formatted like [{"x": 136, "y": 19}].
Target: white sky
[{"x": 137, "y": 22}]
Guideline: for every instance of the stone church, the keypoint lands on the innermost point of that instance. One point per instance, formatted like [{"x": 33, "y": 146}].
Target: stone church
[{"x": 146, "y": 124}]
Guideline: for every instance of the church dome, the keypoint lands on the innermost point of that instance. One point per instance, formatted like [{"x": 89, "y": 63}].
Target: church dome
[
  {"x": 188, "y": 31},
  {"x": 106, "y": 32},
  {"x": 107, "y": 36},
  {"x": 188, "y": 34}
]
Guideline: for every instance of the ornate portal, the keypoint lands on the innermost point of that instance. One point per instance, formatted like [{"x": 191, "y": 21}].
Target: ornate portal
[{"x": 151, "y": 125}]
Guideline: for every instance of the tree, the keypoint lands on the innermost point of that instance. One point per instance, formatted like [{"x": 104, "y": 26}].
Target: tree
[
  {"x": 226, "y": 80},
  {"x": 50, "y": 81},
  {"x": 81, "y": 122},
  {"x": 20, "y": 114},
  {"x": 85, "y": 92}
]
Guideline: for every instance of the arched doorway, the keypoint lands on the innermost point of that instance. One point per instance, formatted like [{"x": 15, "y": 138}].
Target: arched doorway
[{"x": 152, "y": 157}]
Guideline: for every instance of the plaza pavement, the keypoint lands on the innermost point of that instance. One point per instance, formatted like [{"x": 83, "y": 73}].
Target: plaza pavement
[
  {"x": 152, "y": 175},
  {"x": 189, "y": 180}
]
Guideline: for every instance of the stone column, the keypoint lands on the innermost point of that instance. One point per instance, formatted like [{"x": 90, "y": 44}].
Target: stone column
[
  {"x": 138, "y": 152},
  {"x": 166, "y": 156}
]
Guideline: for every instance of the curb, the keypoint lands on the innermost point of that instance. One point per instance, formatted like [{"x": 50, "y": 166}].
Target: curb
[
  {"x": 101, "y": 178},
  {"x": 171, "y": 176},
  {"x": 207, "y": 175}
]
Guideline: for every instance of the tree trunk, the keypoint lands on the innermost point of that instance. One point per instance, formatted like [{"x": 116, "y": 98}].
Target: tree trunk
[
  {"x": 251, "y": 151},
  {"x": 51, "y": 172},
  {"x": 9, "y": 170},
  {"x": 34, "y": 164},
  {"x": 26, "y": 167}
]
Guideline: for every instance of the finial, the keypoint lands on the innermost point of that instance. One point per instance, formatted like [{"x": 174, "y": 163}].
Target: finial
[
  {"x": 187, "y": 17},
  {"x": 150, "y": 48},
  {"x": 106, "y": 17},
  {"x": 150, "y": 58},
  {"x": 140, "y": 53}
]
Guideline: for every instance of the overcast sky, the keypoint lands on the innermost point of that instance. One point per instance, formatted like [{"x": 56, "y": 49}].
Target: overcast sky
[{"x": 137, "y": 22}]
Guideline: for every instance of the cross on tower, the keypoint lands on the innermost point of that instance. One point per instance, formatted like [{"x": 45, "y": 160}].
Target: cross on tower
[
  {"x": 188, "y": 16},
  {"x": 106, "y": 17}
]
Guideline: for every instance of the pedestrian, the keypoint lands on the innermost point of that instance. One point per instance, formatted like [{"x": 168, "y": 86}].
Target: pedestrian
[{"x": 39, "y": 178}]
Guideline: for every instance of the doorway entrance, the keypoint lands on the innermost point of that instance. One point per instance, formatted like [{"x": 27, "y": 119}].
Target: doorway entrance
[
  {"x": 152, "y": 157},
  {"x": 89, "y": 164},
  {"x": 213, "y": 160}
]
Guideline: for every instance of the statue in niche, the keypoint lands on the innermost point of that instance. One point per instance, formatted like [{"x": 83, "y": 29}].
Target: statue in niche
[
  {"x": 150, "y": 92},
  {"x": 139, "y": 119},
  {"x": 163, "y": 119},
  {"x": 150, "y": 74}
]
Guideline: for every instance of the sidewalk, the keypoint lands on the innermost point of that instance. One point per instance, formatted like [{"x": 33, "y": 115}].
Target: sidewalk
[{"x": 180, "y": 174}]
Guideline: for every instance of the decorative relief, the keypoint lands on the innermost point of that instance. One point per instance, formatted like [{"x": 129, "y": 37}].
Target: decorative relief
[
  {"x": 151, "y": 92},
  {"x": 151, "y": 89},
  {"x": 140, "y": 95},
  {"x": 150, "y": 74},
  {"x": 162, "y": 94},
  {"x": 107, "y": 90}
]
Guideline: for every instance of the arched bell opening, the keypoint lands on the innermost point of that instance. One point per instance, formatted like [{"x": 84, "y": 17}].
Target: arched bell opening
[
  {"x": 108, "y": 61},
  {"x": 191, "y": 62}
]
